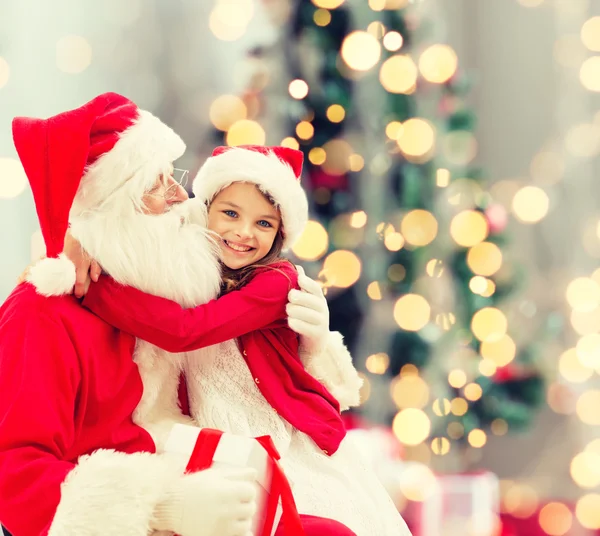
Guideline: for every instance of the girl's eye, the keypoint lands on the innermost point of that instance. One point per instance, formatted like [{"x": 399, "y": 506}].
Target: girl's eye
[
  {"x": 230, "y": 213},
  {"x": 264, "y": 223}
]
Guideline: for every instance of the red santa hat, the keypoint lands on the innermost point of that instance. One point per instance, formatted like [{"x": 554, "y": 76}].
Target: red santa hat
[
  {"x": 275, "y": 170},
  {"x": 77, "y": 159}
]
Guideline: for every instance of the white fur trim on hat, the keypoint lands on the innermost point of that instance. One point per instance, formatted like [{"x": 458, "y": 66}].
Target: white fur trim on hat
[
  {"x": 269, "y": 173},
  {"x": 144, "y": 151},
  {"x": 52, "y": 276}
]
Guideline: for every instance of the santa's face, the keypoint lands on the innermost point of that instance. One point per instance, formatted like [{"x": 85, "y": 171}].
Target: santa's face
[{"x": 165, "y": 193}]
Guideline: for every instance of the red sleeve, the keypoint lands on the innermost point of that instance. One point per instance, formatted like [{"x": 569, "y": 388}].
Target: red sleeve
[
  {"x": 167, "y": 325},
  {"x": 38, "y": 385}
]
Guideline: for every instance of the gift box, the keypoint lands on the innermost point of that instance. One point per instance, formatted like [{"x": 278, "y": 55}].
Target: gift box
[
  {"x": 206, "y": 448},
  {"x": 459, "y": 504}
]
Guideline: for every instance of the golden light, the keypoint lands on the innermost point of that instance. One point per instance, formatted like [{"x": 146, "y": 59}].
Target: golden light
[
  {"x": 487, "y": 367},
  {"x": 585, "y": 469},
  {"x": 477, "y": 438},
  {"x": 393, "y": 241},
  {"x": 342, "y": 268},
  {"x": 590, "y": 34},
  {"x": 468, "y": 228},
  {"x": 587, "y": 407},
  {"x": 393, "y": 130},
  {"x": 396, "y": 273},
  {"x": 328, "y": 4},
  {"x": 593, "y": 446},
  {"x": 501, "y": 352},
  {"x": 442, "y": 177},
  {"x": 229, "y": 24},
  {"x": 586, "y": 322},
  {"x": 73, "y": 54},
  {"x": 547, "y": 167},
  {"x": 4, "y": 72},
  {"x": 589, "y": 73},
  {"x": 377, "y": 5},
  {"x": 336, "y": 113},
  {"x": 298, "y": 89},
  {"x": 398, "y": 74},
  {"x": 571, "y": 368},
  {"x": 484, "y": 258},
  {"x": 393, "y": 41},
  {"x": 555, "y": 519},
  {"x": 365, "y": 390},
  {"x": 357, "y": 162},
  {"x": 490, "y": 288},
  {"x": 360, "y": 50},
  {"x": 358, "y": 219},
  {"x": 434, "y": 268},
  {"x": 376, "y": 29},
  {"x": 411, "y": 426},
  {"x": 455, "y": 430},
  {"x": 445, "y": 320},
  {"x": 339, "y": 153},
  {"x": 530, "y": 204},
  {"x": 313, "y": 242},
  {"x": 409, "y": 370},
  {"x": 305, "y": 130},
  {"x": 441, "y": 407},
  {"x": 587, "y": 511},
  {"x": 377, "y": 363},
  {"x": 438, "y": 63},
  {"x": 489, "y": 324},
  {"x": 412, "y": 312},
  {"x": 225, "y": 110},
  {"x": 478, "y": 284},
  {"x": 583, "y": 294},
  {"x": 499, "y": 427},
  {"x": 520, "y": 500},
  {"x": 417, "y": 137},
  {"x": 322, "y": 17},
  {"x": 588, "y": 350},
  {"x": 245, "y": 132},
  {"x": 419, "y": 227},
  {"x": 290, "y": 142},
  {"x": 457, "y": 378},
  {"x": 317, "y": 156},
  {"x": 473, "y": 392},
  {"x": 440, "y": 446},
  {"x": 410, "y": 391},
  {"x": 13, "y": 180},
  {"x": 459, "y": 406},
  {"x": 374, "y": 291}
]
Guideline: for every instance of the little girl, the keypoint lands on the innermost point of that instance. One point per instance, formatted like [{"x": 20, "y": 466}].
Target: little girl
[{"x": 256, "y": 384}]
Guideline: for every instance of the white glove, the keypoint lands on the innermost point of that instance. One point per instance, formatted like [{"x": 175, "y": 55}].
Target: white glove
[
  {"x": 308, "y": 314},
  {"x": 214, "y": 502}
]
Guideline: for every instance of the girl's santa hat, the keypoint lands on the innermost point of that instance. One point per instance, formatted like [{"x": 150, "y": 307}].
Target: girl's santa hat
[
  {"x": 275, "y": 170},
  {"x": 80, "y": 159}
]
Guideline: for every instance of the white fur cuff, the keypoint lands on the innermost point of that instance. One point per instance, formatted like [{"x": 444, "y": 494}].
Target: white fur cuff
[
  {"x": 52, "y": 276},
  {"x": 334, "y": 369},
  {"x": 111, "y": 492}
]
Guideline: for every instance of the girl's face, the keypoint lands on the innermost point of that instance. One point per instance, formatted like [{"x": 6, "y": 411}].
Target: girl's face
[{"x": 247, "y": 223}]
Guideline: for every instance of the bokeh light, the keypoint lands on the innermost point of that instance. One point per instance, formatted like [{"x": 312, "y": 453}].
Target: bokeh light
[
  {"x": 590, "y": 34},
  {"x": 339, "y": 153},
  {"x": 589, "y": 73},
  {"x": 313, "y": 242},
  {"x": 360, "y": 51},
  {"x": 438, "y": 63},
  {"x": 411, "y": 426},
  {"x": 530, "y": 204},
  {"x": 501, "y": 352},
  {"x": 572, "y": 369},
  {"x": 587, "y": 511},
  {"x": 555, "y": 519},
  {"x": 489, "y": 324},
  {"x": 416, "y": 138},
  {"x": 342, "y": 268},
  {"x": 477, "y": 438},
  {"x": 484, "y": 258},
  {"x": 328, "y": 4},
  {"x": 393, "y": 41},
  {"x": 419, "y": 227},
  {"x": 12, "y": 178},
  {"x": 73, "y": 54},
  {"x": 585, "y": 469},
  {"x": 583, "y": 294},
  {"x": 336, "y": 113},
  {"x": 377, "y": 363},
  {"x": 587, "y": 407},
  {"x": 398, "y": 74},
  {"x": 245, "y": 132},
  {"x": 457, "y": 378},
  {"x": 410, "y": 391},
  {"x": 588, "y": 350},
  {"x": 412, "y": 312},
  {"x": 225, "y": 110},
  {"x": 229, "y": 19},
  {"x": 298, "y": 89},
  {"x": 4, "y": 72},
  {"x": 468, "y": 228},
  {"x": 521, "y": 500}
]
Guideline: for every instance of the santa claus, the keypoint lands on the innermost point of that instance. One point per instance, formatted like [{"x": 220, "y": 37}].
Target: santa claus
[{"x": 82, "y": 423}]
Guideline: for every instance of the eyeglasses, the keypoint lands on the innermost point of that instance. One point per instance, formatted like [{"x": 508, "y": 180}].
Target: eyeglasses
[{"x": 180, "y": 178}]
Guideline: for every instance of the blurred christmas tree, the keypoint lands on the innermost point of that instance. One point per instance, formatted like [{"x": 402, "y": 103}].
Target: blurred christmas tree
[{"x": 415, "y": 268}]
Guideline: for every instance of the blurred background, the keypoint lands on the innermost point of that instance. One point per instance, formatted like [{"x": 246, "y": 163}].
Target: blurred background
[{"x": 452, "y": 154}]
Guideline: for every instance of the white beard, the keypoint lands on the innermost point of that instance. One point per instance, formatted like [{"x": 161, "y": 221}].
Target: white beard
[{"x": 159, "y": 255}]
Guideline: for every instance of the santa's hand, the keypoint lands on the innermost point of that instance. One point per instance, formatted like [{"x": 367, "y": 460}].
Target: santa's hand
[
  {"x": 308, "y": 314},
  {"x": 86, "y": 269},
  {"x": 214, "y": 502}
]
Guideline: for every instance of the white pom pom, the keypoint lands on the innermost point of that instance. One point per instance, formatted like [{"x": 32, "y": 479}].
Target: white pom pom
[{"x": 53, "y": 277}]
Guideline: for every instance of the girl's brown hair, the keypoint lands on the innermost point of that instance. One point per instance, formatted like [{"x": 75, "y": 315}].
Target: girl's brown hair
[{"x": 236, "y": 279}]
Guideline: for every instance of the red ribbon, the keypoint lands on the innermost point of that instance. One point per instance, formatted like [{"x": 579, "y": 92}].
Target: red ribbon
[{"x": 279, "y": 488}]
